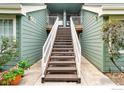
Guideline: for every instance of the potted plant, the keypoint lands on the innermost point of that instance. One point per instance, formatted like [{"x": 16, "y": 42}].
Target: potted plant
[
  {"x": 12, "y": 77},
  {"x": 18, "y": 76},
  {"x": 18, "y": 71},
  {"x": 24, "y": 64},
  {"x": 6, "y": 78}
]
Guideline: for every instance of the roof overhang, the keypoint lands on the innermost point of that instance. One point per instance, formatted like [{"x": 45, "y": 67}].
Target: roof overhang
[
  {"x": 20, "y": 8},
  {"x": 60, "y": 7},
  {"x": 105, "y": 9}
]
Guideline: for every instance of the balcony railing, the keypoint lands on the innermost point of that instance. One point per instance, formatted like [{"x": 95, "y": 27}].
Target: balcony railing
[
  {"x": 50, "y": 21},
  {"x": 77, "y": 22}
]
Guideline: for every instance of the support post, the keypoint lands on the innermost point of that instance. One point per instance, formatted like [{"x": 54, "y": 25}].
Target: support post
[{"x": 64, "y": 18}]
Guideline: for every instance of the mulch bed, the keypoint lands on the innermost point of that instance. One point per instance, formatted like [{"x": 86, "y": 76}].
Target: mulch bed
[{"x": 116, "y": 77}]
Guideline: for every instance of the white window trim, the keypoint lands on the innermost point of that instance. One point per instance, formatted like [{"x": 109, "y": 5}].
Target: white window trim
[{"x": 14, "y": 24}]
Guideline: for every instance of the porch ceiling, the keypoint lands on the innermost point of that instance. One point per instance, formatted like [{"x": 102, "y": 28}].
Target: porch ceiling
[{"x": 60, "y": 7}]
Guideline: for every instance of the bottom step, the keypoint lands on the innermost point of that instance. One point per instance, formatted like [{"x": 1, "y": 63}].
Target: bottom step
[{"x": 61, "y": 78}]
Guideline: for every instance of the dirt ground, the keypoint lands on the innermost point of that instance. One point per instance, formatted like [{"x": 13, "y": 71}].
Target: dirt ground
[{"x": 116, "y": 77}]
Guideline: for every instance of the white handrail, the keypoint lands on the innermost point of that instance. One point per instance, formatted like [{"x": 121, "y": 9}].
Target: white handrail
[
  {"x": 47, "y": 48},
  {"x": 77, "y": 47}
]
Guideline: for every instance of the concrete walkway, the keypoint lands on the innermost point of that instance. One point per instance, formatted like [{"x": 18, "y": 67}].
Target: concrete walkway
[{"x": 90, "y": 75}]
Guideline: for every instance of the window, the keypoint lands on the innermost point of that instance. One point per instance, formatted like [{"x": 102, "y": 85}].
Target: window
[{"x": 7, "y": 29}]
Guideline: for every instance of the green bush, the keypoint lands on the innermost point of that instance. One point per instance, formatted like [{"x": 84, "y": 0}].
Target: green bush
[
  {"x": 7, "y": 51},
  {"x": 18, "y": 71},
  {"x": 24, "y": 64}
]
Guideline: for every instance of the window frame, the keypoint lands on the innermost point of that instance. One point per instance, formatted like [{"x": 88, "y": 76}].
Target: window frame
[{"x": 13, "y": 18}]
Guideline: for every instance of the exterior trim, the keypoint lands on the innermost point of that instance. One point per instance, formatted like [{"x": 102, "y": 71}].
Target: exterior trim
[
  {"x": 20, "y": 8},
  {"x": 105, "y": 9}
]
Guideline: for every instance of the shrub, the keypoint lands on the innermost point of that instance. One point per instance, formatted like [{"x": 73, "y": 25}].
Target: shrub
[
  {"x": 18, "y": 71},
  {"x": 7, "y": 51},
  {"x": 24, "y": 64}
]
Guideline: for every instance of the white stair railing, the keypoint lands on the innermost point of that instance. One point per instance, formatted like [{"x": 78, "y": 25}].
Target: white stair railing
[
  {"x": 47, "y": 48},
  {"x": 77, "y": 47}
]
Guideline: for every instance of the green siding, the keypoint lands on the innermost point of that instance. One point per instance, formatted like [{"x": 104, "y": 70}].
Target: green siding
[
  {"x": 92, "y": 44},
  {"x": 33, "y": 35},
  {"x": 18, "y": 33},
  {"x": 80, "y": 39}
]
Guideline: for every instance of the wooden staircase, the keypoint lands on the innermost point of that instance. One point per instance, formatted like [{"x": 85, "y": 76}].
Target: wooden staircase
[{"x": 62, "y": 66}]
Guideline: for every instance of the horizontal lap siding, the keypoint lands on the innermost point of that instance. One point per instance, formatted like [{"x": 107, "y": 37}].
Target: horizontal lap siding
[
  {"x": 33, "y": 35},
  {"x": 91, "y": 42},
  {"x": 18, "y": 34}
]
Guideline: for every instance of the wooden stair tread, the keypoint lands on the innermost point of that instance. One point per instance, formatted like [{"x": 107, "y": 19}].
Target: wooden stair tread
[
  {"x": 62, "y": 68},
  {"x": 63, "y": 40},
  {"x": 59, "y": 35},
  {"x": 64, "y": 45},
  {"x": 62, "y": 48},
  {"x": 63, "y": 37},
  {"x": 62, "y": 62},
  {"x": 61, "y": 76},
  {"x": 63, "y": 52},
  {"x": 62, "y": 57}
]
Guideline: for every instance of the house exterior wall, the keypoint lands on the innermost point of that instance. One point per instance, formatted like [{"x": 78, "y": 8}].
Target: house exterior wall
[
  {"x": 108, "y": 65},
  {"x": 91, "y": 39},
  {"x": 18, "y": 33},
  {"x": 33, "y": 35}
]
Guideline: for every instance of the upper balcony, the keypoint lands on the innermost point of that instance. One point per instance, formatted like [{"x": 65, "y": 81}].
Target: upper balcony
[{"x": 77, "y": 23}]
